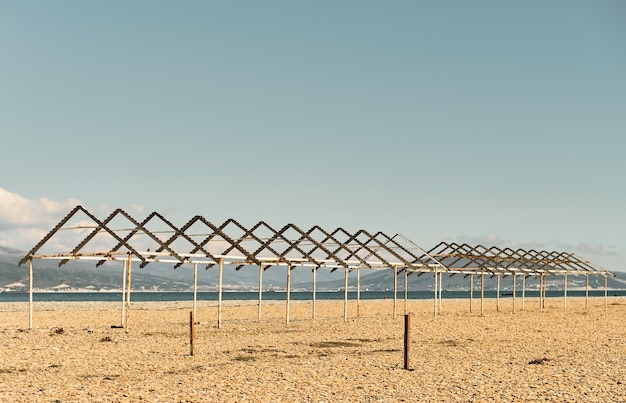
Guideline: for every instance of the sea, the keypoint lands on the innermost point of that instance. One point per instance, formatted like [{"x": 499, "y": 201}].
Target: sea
[{"x": 155, "y": 296}]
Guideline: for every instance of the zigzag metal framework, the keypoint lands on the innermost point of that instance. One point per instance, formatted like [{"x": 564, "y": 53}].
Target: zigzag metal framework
[{"x": 261, "y": 244}]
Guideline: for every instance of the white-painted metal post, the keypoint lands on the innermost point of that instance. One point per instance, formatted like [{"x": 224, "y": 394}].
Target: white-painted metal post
[
  {"x": 30, "y": 292},
  {"x": 471, "y": 291},
  {"x": 440, "y": 291},
  {"x": 195, "y": 291},
  {"x": 606, "y": 290},
  {"x": 406, "y": 290},
  {"x": 586, "y": 291},
  {"x": 523, "y": 290},
  {"x": 219, "y": 292},
  {"x": 482, "y": 292},
  {"x": 128, "y": 290},
  {"x": 514, "y": 292},
  {"x": 260, "y": 290},
  {"x": 498, "y": 292},
  {"x": 288, "y": 292},
  {"x": 395, "y": 289},
  {"x": 345, "y": 294},
  {"x": 358, "y": 292},
  {"x": 435, "y": 289},
  {"x": 565, "y": 292},
  {"x": 314, "y": 289},
  {"x": 124, "y": 273}
]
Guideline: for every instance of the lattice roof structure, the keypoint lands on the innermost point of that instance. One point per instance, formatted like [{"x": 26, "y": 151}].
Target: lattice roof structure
[{"x": 155, "y": 239}]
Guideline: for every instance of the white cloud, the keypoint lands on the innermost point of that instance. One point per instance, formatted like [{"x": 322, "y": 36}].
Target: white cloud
[{"x": 19, "y": 212}]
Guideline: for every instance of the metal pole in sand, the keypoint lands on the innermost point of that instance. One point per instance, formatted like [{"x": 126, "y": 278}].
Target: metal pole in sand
[
  {"x": 219, "y": 293},
  {"x": 586, "y": 291},
  {"x": 514, "y": 278},
  {"x": 358, "y": 292},
  {"x": 30, "y": 293},
  {"x": 345, "y": 294},
  {"x": 471, "y": 290},
  {"x": 435, "y": 289},
  {"x": 128, "y": 289},
  {"x": 195, "y": 291},
  {"x": 314, "y": 286},
  {"x": 482, "y": 292},
  {"x": 523, "y": 290},
  {"x": 260, "y": 290},
  {"x": 440, "y": 290},
  {"x": 498, "y": 293},
  {"x": 540, "y": 292},
  {"x": 406, "y": 290},
  {"x": 395, "y": 289},
  {"x": 545, "y": 289},
  {"x": 565, "y": 292},
  {"x": 124, "y": 271},
  {"x": 288, "y": 292},
  {"x": 407, "y": 340},
  {"x": 606, "y": 290}
]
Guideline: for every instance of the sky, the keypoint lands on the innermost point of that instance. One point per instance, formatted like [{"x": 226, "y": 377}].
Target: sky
[{"x": 486, "y": 122}]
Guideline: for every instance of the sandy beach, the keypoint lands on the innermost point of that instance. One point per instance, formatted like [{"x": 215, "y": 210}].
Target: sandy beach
[{"x": 73, "y": 354}]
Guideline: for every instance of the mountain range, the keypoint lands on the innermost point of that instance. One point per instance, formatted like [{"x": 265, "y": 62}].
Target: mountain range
[{"x": 83, "y": 275}]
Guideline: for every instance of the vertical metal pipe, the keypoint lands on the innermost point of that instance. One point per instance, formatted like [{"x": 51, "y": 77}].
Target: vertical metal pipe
[
  {"x": 586, "y": 291},
  {"x": 407, "y": 340},
  {"x": 195, "y": 290},
  {"x": 606, "y": 290},
  {"x": 128, "y": 290},
  {"x": 314, "y": 289},
  {"x": 498, "y": 293},
  {"x": 345, "y": 294},
  {"x": 482, "y": 292},
  {"x": 358, "y": 292},
  {"x": 471, "y": 290},
  {"x": 406, "y": 290},
  {"x": 565, "y": 292},
  {"x": 288, "y": 292},
  {"x": 30, "y": 293},
  {"x": 124, "y": 272},
  {"x": 523, "y": 290},
  {"x": 435, "y": 288},
  {"x": 395, "y": 289},
  {"x": 440, "y": 291},
  {"x": 219, "y": 292},
  {"x": 514, "y": 292},
  {"x": 260, "y": 291}
]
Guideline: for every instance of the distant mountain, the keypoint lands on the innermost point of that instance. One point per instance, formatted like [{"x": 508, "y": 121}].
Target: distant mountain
[{"x": 82, "y": 274}]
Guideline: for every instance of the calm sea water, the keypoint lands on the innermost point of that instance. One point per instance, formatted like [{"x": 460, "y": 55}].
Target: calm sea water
[{"x": 212, "y": 296}]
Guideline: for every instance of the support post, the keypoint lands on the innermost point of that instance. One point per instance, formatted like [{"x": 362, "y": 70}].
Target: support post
[
  {"x": 407, "y": 340},
  {"x": 406, "y": 290},
  {"x": 195, "y": 292},
  {"x": 541, "y": 293},
  {"x": 565, "y": 292},
  {"x": 288, "y": 293},
  {"x": 128, "y": 290},
  {"x": 345, "y": 294},
  {"x": 523, "y": 290},
  {"x": 586, "y": 291},
  {"x": 606, "y": 290},
  {"x": 435, "y": 288},
  {"x": 260, "y": 291},
  {"x": 395, "y": 289},
  {"x": 471, "y": 291},
  {"x": 30, "y": 293},
  {"x": 498, "y": 293},
  {"x": 358, "y": 292},
  {"x": 192, "y": 333},
  {"x": 124, "y": 273},
  {"x": 482, "y": 292},
  {"x": 314, "y": 289},
  {"x": 514, "y": 286},
  {"x": 440, "y": 291},
  {"x": 219, "y": 292}
]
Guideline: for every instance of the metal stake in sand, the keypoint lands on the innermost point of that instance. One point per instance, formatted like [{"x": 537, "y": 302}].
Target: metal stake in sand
[
  {"x": 288, "y": 292},
  {"x": 260, "y": 290},
  {"x": 219, "y": 293},
  {"x": 440, "y": 291},
  {"x": 395, "y": 289},
  {"x": 540, "y": 292},
  {"x": 407, "y": 340},
  {"x": 345, "y": 295},
  {"x": 435, "y": 289},
  {"x": 30, "y": 293},
  {"x": 192, "y": 333},
  {"x": 606, "y": 290},
  {"x": 128, "y": 288}
]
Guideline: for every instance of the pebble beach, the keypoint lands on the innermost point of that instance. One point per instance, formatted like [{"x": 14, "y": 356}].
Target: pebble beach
[{"x": 77, "y": 352}]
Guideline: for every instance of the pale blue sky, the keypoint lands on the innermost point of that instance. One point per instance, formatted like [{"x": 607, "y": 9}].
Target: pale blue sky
[{"x": 486, "y": 121}]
